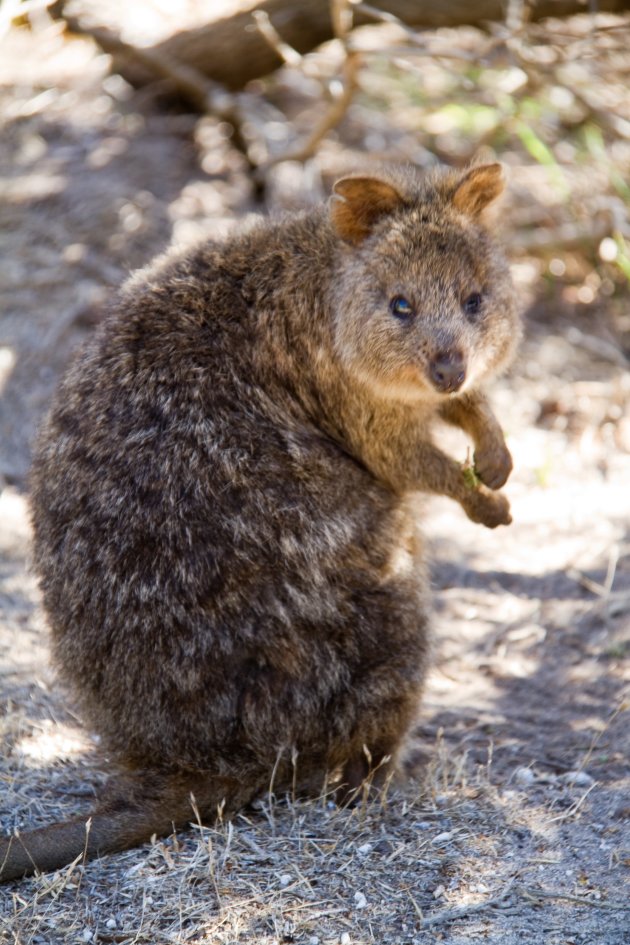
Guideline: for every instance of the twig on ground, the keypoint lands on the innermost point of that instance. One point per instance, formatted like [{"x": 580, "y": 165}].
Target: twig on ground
[
  {"x": 342, "y": 16},
  {"x": 337, "y": 110},
  {"x": 624, "y": 705},
  {"x": 381, "y": 16},
  {"x": 530, "y": 892},
  {"x": 286, "y": 52},
  {"x": 594, "y": 587},
  {"x": 573, "y": 809},
  {"x": 516, "y": 16},
  {"x": 341, "y": 12},
  {"x": 419, "y": 44},
  {"x": 446, "y": 916}
]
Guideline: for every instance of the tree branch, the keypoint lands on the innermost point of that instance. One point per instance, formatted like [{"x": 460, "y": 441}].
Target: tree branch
[{"x": 232, "y": 51}]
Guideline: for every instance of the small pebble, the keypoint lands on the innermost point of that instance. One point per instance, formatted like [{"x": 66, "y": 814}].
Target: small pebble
[
  {"x": 285, "y": 879},
  {"x": 524, "y": 776},
  {"x": 442, "y": 837},
  {"x": 110, "y": 924},
  {"x": 86, "y": 935},
  {"x": 383, "y": 847},
  {"x": 344, "y": 938},
  {"x": 364, "y": 849},
  {"x": 479, "y": 888},
  {"x": 360, "y": 900},
  {"x": 578, "y": 778}
]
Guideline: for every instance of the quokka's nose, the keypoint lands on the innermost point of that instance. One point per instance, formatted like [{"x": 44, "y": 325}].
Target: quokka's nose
[{"x": 447, "y": 371}]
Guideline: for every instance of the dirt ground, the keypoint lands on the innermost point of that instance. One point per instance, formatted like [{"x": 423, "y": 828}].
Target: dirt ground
[{"x": 518, "y": 827}]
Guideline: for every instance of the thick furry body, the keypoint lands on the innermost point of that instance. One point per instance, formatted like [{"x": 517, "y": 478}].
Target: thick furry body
[{"x": 222, "y": 504}]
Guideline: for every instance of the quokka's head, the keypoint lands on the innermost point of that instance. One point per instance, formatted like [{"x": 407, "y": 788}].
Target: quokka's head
[{"x": 424, "y": 304}]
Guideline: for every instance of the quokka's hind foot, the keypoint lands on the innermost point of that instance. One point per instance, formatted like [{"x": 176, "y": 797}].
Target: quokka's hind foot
[{"x": 364, "y": 776}]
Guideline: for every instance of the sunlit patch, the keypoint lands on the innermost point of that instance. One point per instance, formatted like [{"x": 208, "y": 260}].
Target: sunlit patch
[
  {"x": 401, "y": 562},
  {"x": 7, "y": 363},
  {"x": 53, "y": 741},
  {"x": 31, "y": 187},
  {"x": 13, "y": 516}
]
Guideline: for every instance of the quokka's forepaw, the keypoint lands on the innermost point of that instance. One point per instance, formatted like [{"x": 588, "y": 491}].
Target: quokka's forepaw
[
  {"x": 493, "y": 465},
  {"x": 487, "y": 508}
]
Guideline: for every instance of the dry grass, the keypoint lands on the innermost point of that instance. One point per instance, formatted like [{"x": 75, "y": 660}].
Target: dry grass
[{"x": 402, "y": 868}]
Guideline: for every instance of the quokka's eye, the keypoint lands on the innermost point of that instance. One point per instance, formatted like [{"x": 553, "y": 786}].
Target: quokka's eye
[
  {"x": 472, "y": 305},
  {"x": 401, "y": 308}
]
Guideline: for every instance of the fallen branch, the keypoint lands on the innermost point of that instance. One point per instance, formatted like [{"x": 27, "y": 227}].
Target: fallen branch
[
  {"x": 287, "y": 53},
  {"x": 342, "y": 19},
  {"x": 533, "y": 894},
  {"x": 529, "y": 893},
  {"x": 446, "y": 916},
  {"x": 206, "y": 95},
  {"x": 232, "y": 53},
  {"x": 330, "y": 120}
]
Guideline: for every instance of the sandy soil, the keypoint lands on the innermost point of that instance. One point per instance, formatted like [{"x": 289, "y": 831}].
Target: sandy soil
[{"x": 519, "y": 828}]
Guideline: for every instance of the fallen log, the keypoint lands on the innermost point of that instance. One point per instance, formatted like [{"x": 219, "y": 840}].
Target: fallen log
[{"x": 233, "y": 51}]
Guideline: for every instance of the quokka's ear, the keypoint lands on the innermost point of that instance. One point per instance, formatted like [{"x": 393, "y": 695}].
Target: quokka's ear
[
  {"x": 358, "y": 202},
  {"x": 478, "y": 188}
]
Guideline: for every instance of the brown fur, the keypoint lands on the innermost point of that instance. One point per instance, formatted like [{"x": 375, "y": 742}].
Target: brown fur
[{"x": 222, "y": 499}]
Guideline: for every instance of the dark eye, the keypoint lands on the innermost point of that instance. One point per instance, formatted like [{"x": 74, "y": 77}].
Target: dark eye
[
  {"x": 472, "y": 305},
  {"x": 401, "y": 308}
]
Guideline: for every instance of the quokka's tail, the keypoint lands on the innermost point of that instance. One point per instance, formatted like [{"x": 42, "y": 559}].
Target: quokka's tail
[{"x": 133, "y": 809}]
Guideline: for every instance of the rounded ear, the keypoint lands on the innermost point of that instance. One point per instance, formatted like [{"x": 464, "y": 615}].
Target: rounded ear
[
  {"x": 358, "y": 202},
  {"x": 478, "y": 188}
]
